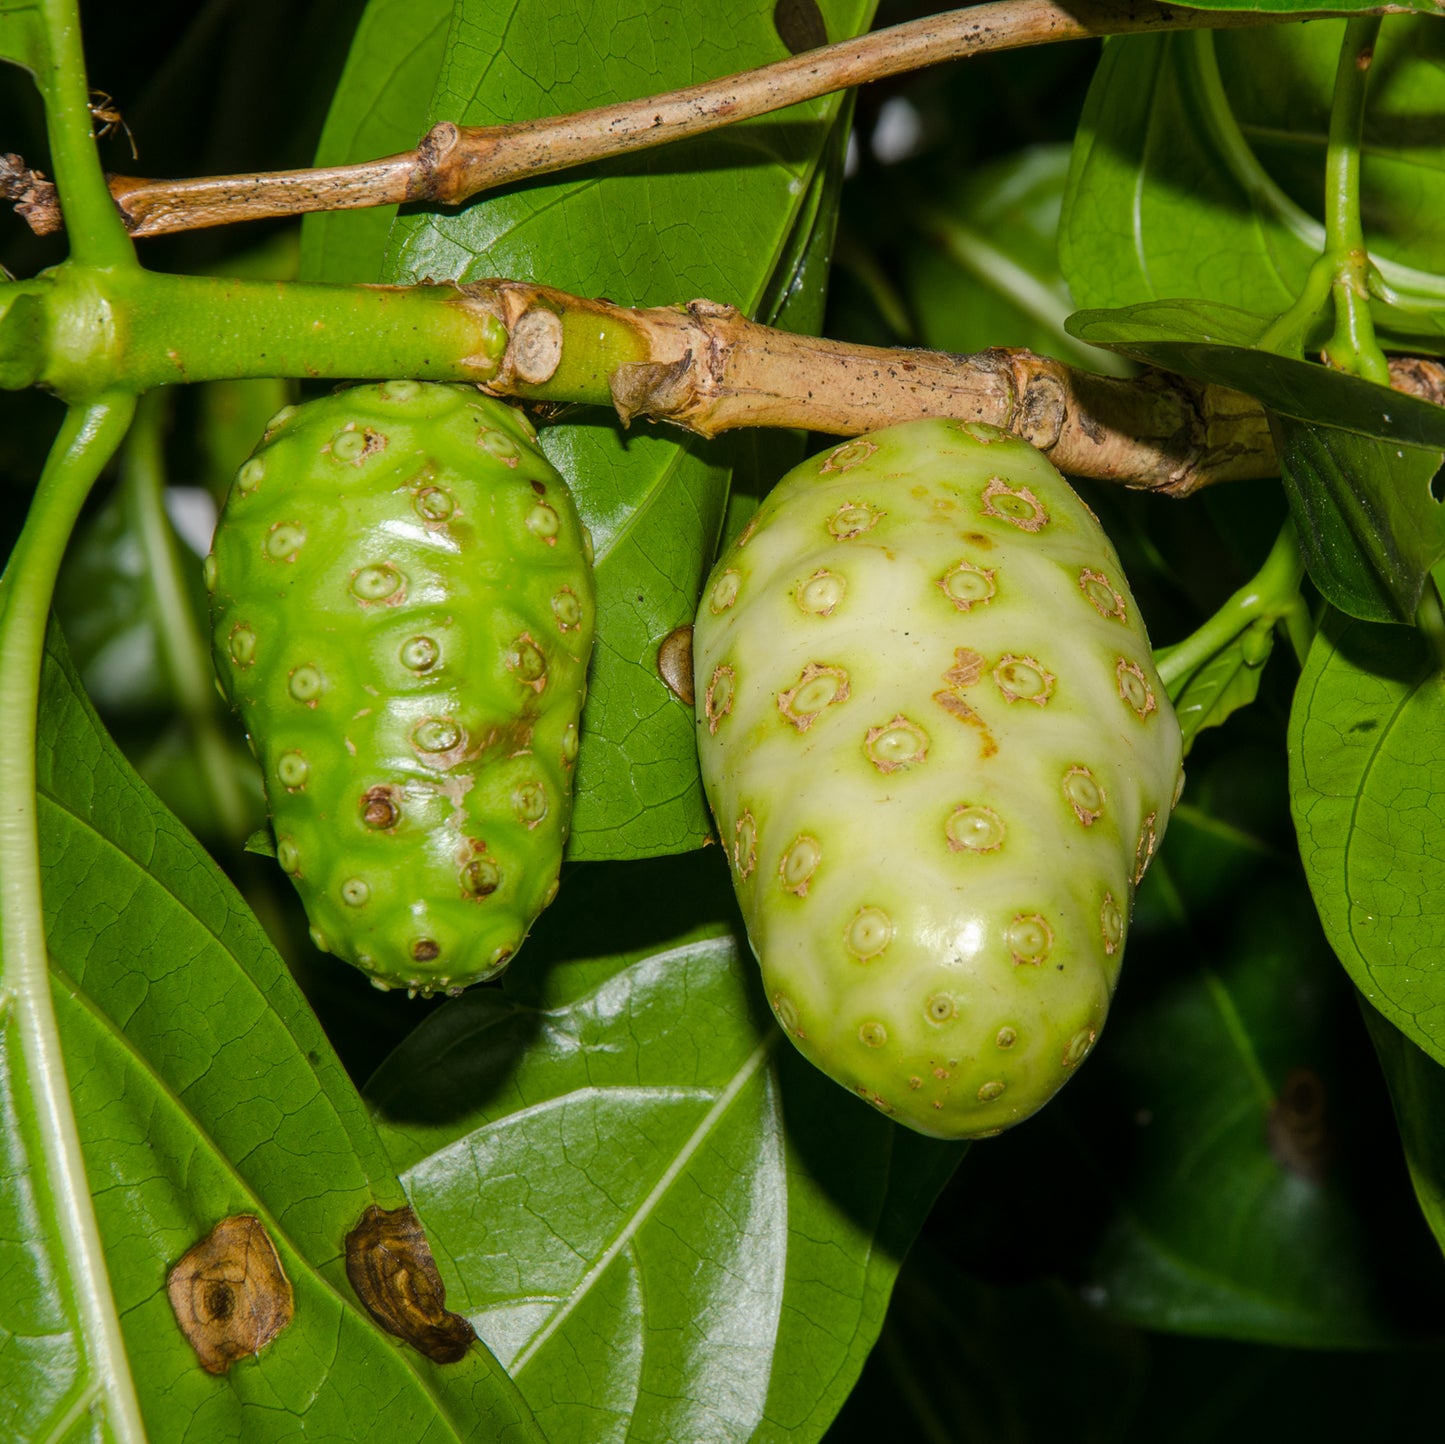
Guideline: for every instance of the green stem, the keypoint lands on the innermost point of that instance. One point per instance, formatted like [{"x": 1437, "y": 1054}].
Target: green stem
[
  {"x": 88, "y": 439},
  {"x": 141, "y": 330},
  {"x": 184, "y": 650},
  {"x": 1272, "y": 594},
  {"x": 97, "y": 234},
  {"x": 1352, "y": 347}
]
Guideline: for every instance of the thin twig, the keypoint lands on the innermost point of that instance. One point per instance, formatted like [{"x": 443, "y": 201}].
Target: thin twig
[{"x": 453, "y": 162}]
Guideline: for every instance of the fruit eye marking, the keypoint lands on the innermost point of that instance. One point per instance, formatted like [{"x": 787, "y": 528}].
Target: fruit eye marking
[
  {"x": 543, "y": 523},
  {"x": 896, "y": 744},
  {"x": 1029, "y": 938},
  {"x": 847, "y": 456},
  {"x": 817, "y": 687},
  {"x": 967, "y": 586},
  {"x": 745, "y": 846},
  {"x": 570, "y": 743},
  {"x": 250, "y": 474},
  {"x": 434, "y": 503},
  {"x": 288, "y": 855},
  {"x": 724, "y": 592},
  {"x": 529, "y": 802},
  {"x": 567, "y": 608},
  {"x": 1020, "y": 508},
  {"x": 787, "y": 1013},
  {"x": 971, "y": 828},
  {"x": 1079, "y": 1046},
  {"x": 941, "y": 1008},
  {"x": 799, "y": 864},
  {"x": 242, "y": 645},
  {"x": 355, "y": 892},
  {"x": 434, "y": 735},
  {"x": 1101, "y": 593},
  {"x": 208, "y": 573},
  {"x": 992, "y": 1089},
  {"x": 379, "y": 809},
  {"x": 499, "y": 445},
  {"x": 419, "y": 654},
  {"x": 1134, "y": 687},
  {"x": 869, "y": 932},
  {"x": 820, "y": 595},
  {"x": 380, "y": 583},
  {"x": 852, "y": 519},
  {"x": 1083, "y": 793},
  {"x": 1144, "y": 851},
  {"x": 426, "y": 950},
  {"x": 1006, "y": 1037},
  {"x": 305, "y": 685},
  {"x": 526, "y": 662},
  {"x": 400, "y": 390},
  {"x": 355, "y": 446},
  {"x": 481, "y": 877},
  {"x": 719, "y": 699},
  {"x": 872, "y": 1035},
  {"x": 1024, "y": 679},
  {"x": 1111, "y": 925},
  {"x": 291, "y": 770},
  {"x": 983, "y": 433}
]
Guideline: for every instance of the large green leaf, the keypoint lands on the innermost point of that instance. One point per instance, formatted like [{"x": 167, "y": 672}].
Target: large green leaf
[
  {"x": 716, "y": 217},
  {"x": 1357, "y": 459},
  {"x": 983, "y": 269},
  {"x": 664, "y": 1222},
  {"x": 22, "y": 33},
  {"x": 1417, "y": 1089},
  {"x": 379, "y": 108},
  {"x": 1187, "y": 144},
  {"x": 203, "y": 1086},
  {"x": 1367, "y": 770}
]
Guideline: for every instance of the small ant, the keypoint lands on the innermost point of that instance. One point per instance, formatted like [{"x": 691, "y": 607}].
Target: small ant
[{"x": 103, "y": 108}]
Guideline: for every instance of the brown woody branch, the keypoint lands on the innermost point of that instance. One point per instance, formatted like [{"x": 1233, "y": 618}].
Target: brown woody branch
[
  {"x": 453, "y": 162},
  {"x": 708, "y": 369}
]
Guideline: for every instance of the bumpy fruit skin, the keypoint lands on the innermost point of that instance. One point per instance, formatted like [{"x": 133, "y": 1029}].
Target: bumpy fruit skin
[
  {"x": 940, "y": 760},
  {"x": 402, "y": 604}
]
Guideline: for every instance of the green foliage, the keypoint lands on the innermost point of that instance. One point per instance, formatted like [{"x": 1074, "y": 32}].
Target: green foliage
[{"x": 662, "y": 1221}]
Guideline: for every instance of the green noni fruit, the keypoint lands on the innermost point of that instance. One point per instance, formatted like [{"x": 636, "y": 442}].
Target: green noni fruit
[
  {"x": 403, "y": 608},
  {"x": 940, "y": 760}
]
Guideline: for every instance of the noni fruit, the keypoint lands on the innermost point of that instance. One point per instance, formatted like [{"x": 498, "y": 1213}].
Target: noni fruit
[
  {"x": 402, "y": 608},
  {"x": 940, "y": 760}
]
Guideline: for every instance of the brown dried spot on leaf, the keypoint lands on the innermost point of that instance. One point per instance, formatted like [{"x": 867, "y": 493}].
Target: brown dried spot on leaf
[
  {"x": 390, "y": 1265},
  {"x": 674, "y": 663},
  {"x": 230, "y": 1295},
  {"x": 1299, "y": 1135}
]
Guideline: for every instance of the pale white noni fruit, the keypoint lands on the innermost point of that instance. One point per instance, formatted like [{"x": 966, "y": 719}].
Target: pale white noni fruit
[{"x": 940, "y": 760}]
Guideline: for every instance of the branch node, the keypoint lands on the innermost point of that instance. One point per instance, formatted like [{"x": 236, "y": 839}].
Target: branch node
[{"x": 536, "y": 349}]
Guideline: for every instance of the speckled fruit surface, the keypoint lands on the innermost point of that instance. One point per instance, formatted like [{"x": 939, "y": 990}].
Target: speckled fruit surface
[
  {"x": 940, "y": 759},
  {"x": 402, "y": 609}
]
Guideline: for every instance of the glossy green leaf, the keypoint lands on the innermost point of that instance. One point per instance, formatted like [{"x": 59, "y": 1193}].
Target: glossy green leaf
[
  {"x": 985, "y": 270},
  {"x": 663, "y": 1221},
  {"x": 1417, "y": 1089},
  {"x": 1366, "y": 763},
  {"x": 22, "y": 33},
  {"x": 1228, "y": 681},
  {"x": 204, "y": 1086},
  {"x": 1185, "y": 148},
  {"x": 1235, "y": 1080},
  {"x": 654, "y": 501},
  {"x": 1357, "y": 459},
  {"x": 1370, "y": 526},
  {"x": 380, "y": 108}
]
